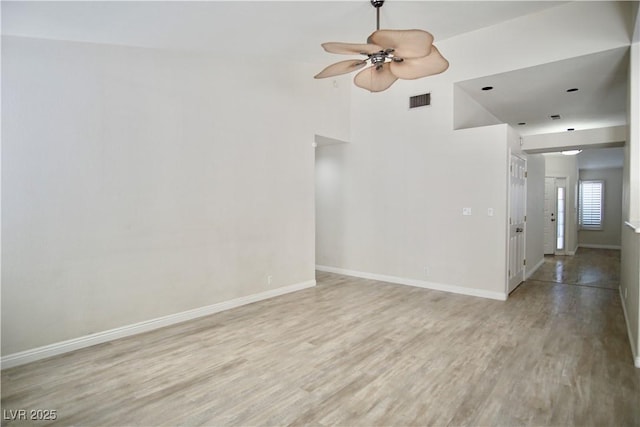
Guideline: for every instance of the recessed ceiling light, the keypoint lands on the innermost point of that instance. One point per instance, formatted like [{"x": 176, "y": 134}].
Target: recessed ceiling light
[
  {"x": 573, "y": 89},
  {"x": 571, "y": 152},
  {"x": 570, "y": 129},
  {"x": 487, "y": 88},
  {"x": 521, "y": 123}
]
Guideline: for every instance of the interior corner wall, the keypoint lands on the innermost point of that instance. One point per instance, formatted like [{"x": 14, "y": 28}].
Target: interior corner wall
[
  {"x": 534, "y": 251},
  {"x": 630, "y": 254},
  {"x": 610, "y": 234},
  {"x": 468, "y": 113},
  {"x": 140, "y": 183}
]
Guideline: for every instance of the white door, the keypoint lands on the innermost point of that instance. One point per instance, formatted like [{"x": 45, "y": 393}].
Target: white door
[
  {"x": 549, "y": 216},
  {"x": 517, "y": 220}
]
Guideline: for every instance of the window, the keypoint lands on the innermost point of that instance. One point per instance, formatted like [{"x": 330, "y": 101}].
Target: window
[
  {"x": 560, "y": 224},
  {"x": 590, "y": 197}
]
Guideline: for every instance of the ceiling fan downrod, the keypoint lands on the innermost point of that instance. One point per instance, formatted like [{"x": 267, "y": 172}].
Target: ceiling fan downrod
[{"x": 377, "y": 4}]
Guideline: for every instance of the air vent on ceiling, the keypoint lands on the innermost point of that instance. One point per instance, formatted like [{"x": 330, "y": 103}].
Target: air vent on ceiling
[
  {"x": 420, "y": 100},
  {"x": 555, "y": 117}
]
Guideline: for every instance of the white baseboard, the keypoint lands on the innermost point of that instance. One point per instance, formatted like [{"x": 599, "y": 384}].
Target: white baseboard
[
  {"x": 501, "y": 296},
  {"x": 55, "y": 349},
  {"x": 587, "y": 245},
  {"x": 533, "y": 270},
  {"x": 634, "y": 352}
]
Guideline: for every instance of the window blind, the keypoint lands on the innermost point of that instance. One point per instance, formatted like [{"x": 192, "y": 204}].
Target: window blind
[{"x": 590, "y": 204}]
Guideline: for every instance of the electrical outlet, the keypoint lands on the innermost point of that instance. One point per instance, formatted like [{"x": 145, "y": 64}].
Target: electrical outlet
[
  {"x": 490, "y": 211},
  {"x": 269, "y": 279},
  {"x": 426, "y": 271},
  {"x": 466, "y": 211}
]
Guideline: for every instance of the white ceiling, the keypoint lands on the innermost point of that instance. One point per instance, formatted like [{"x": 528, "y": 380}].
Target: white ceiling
[
  {"x": 601, "y": 158},
  {"x": 532, "y": 95},
  {"x": 597, "y": 158},
  {"x": 293, "y": 29}
]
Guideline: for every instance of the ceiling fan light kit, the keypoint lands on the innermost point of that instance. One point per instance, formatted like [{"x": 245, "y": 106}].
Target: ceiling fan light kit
[{"x": 391, "y": 54}]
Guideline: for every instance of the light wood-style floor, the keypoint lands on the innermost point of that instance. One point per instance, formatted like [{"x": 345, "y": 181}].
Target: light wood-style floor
[
  {"x": 599, "y": 268},
  {"x": 357, "y": 352}
]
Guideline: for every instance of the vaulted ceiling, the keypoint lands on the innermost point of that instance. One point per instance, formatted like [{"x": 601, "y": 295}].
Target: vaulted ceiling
[
  {"x": 295, "y": 30},
  {"x": 292, "y": 29}
]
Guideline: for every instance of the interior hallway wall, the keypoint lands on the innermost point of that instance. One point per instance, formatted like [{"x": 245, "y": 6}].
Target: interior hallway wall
[
  {"x": 330, "y": 203},
  {"x": 610, "y": 235},
  {"x": 630, "y": 256}
]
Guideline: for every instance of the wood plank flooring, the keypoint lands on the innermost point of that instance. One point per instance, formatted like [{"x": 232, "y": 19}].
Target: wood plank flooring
[
  {"x": 356, "y": 352},
  {"x": 590, "y": 267}
]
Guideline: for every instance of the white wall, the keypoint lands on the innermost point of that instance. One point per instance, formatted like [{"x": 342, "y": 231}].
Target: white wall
[
  {"x": 610, "y": 235},
  {"x": 140, "y": 183},
  {"x": 630, "y": 257},
  {"x": 535, "y": 212}
]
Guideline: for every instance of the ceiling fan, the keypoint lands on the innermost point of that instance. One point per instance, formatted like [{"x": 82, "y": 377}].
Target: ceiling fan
[{"x": 392, "y": 54}]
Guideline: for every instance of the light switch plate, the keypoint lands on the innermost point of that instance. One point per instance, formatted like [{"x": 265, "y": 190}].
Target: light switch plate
[{"x": 466, "y": 211}]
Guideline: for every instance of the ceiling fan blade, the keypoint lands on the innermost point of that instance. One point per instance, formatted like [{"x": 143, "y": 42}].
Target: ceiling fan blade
[
  {"x": 351, "y": 48},
  {"x": 406, "y": 43},
  {"x": 415, "y": 68},
  {"x": 375, "y": 80},
  {"x": 342, "y": 67}
]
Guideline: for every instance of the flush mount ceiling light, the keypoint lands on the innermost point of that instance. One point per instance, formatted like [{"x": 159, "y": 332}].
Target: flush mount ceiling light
[
  {"x": 571, "y": 152},
  {"x": 391, "y": 54}
]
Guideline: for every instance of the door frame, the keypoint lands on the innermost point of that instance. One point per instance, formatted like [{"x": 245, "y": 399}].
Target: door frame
[
  {"x": 564, "y": 251},
  {"x": 554, "y": 199},
  {"x": 508, "y": 225}
]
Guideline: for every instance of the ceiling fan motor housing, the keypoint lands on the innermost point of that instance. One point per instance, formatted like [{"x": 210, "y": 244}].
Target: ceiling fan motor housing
[
  {"x": 377, "y": 3},
  {"x": 377, "y": 59}
]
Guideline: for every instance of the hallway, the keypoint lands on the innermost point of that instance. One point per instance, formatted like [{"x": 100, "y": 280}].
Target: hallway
[{"x": 598, "y": 268}]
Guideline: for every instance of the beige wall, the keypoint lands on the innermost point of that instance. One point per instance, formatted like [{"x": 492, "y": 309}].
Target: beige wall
[
  {"x": 630, "y": 262},
  {"x": 610, "y": 235},
  {"x": 629, "y": 274},
  {"x": 140, "y": 183}
]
